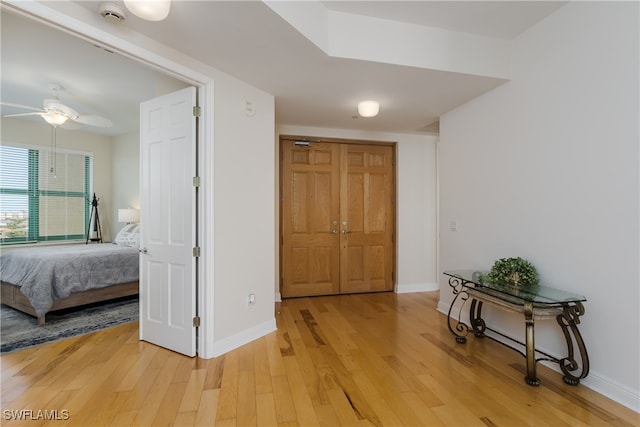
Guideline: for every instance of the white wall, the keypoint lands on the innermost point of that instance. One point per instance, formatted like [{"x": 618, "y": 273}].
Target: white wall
[
  {"x": 244, "y": 260},
  {"x": 126, "y": 175},
  {"x": 546, "y": 167},
  {"x": 39, "y": 134},
  {"x": 416, "y": 201}
]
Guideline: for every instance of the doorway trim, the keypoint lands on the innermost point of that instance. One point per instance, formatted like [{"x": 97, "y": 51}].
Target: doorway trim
[{"x": 89, "y": 28}]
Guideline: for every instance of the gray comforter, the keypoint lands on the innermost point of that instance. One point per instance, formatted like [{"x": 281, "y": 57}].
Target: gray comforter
[{"x": 46, "y": 274}]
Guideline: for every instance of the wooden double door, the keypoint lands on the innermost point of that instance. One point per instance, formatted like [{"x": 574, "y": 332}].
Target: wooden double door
[{"x": 337, "y": 217}]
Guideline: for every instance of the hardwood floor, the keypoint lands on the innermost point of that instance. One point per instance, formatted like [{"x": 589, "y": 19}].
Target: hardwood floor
[{"x": 371, "y": 359}]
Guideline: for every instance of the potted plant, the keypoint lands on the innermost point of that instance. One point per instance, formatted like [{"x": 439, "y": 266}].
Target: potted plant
[{"x": 513, "y": 271}]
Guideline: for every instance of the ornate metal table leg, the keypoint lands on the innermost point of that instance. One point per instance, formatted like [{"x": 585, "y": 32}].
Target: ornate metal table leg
[
  {"x": 475, "y": 314},
  {"x": 531, "y": 377},
  {"x": 461, "y": 329},
  {"x": 568, "y": 321}
]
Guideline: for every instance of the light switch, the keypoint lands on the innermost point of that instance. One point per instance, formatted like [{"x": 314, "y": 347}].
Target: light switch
[{"x": 454, "y": 226}]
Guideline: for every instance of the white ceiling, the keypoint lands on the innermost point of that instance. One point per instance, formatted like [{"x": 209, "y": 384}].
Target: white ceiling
[
  {"x": 248, "y": 40},
  {"x": 501, "y": 19}
]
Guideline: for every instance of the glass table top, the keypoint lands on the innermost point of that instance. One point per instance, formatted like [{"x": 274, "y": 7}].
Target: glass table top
[{"x": 539, "y": 294}]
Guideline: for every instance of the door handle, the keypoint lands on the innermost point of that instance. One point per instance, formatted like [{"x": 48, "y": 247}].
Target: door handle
[
  {"x": 334, "y": 231},
  {"x": 345, "y": 232},
  {"x": 143, "y": 251}
]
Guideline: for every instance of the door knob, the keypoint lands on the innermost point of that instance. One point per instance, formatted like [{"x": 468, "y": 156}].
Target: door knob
[
  {"x": 345, "y": 232},
  {"x": 143, "y": 251},
  {"x": 334, "y": 231}
]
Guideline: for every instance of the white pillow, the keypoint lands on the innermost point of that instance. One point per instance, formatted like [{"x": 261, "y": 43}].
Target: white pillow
[{"x": 129, "y": 236}]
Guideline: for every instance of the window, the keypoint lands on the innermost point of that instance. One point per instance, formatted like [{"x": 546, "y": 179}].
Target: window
[{"x": 43, "y": 196}]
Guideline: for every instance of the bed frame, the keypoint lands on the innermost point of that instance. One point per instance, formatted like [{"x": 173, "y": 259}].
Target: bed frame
[{"x": 10, "y": 295}]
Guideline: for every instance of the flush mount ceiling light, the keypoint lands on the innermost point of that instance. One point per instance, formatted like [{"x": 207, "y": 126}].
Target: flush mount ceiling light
[
  {"x": 151, "y": 10},
  {"x": 368, "y": 108}
]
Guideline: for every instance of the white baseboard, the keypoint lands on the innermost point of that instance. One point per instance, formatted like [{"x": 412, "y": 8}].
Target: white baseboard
[
  {"x": 606, "y": 387},
  {"x": 596, "y": 382},
  {"x": 613, "y": 390},
  {"x": 443, "y": 307},
  {"x": 278, "y": 297},
  {"x": 231, "y": 343},
  {"x": 416, "y": 287}
]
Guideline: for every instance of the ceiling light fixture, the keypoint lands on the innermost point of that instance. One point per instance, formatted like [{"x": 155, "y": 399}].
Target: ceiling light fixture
[
  {"x": 54, "y": 118},
  {"x": 151, "y": 10},
  {"x": 368, "y": 108}
]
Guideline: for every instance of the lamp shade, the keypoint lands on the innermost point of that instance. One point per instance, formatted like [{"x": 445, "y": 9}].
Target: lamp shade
[
  {"x": 128, "y": 215},
  {"x": 368, "y": 108},
  {"x": 151, "y": 10}
]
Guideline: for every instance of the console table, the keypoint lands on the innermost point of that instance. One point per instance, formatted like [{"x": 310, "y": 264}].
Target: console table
[{"x": 534, "y": 302}]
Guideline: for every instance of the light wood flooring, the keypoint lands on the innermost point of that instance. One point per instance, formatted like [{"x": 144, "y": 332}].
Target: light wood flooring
[{"x": 371, "y": 359}]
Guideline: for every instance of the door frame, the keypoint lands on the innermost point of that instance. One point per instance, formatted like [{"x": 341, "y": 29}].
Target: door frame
[
  {"x": 282, "y": 139},
  {"x": 98, "y": 32}
]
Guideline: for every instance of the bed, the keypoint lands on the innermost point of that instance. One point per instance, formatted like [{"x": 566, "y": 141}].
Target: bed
[{"x": 38, "y": 280}]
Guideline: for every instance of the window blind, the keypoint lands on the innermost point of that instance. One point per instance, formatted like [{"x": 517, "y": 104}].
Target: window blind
[{"x": 43, "y": 196}]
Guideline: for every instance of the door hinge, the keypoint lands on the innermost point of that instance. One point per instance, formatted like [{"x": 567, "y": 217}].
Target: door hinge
[
  {"x": 196, "y": 181},
  {"x": 196, "y": 251},
  {"x": 196, "y": 322},
  {"x": 196, "y": 111}
]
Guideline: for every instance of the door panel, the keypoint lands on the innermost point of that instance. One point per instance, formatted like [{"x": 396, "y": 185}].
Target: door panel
[
  {"x": 167, "y": 265},
  {"x": 310, "y": 205},
  {"x": 367, "y": 256},
  {"x": 337, "y": 218}
]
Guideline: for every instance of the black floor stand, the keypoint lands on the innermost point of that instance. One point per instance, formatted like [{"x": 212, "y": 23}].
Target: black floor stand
[{"x": 97, "y": 231}]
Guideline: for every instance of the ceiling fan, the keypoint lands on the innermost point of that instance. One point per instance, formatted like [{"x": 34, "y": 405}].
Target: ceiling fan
[{"x": 56, "y": 113}]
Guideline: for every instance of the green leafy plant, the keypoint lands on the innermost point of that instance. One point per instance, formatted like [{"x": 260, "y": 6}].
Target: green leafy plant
[{"x": 513, "y": 271}]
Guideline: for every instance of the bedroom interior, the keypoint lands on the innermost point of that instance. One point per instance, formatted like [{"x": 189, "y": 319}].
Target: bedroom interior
[
  {"x": 461, "y": 244},
  {"x": 113, "y": 161}
]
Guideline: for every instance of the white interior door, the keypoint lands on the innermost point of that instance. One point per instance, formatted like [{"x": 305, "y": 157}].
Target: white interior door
[{"x": 168, "y": 225}]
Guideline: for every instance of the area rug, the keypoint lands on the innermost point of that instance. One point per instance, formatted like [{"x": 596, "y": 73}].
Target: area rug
[{"x": 19, "y": 331}]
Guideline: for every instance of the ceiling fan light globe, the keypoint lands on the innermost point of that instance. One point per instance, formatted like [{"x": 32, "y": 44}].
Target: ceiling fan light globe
[
  {"x": 151, "y": 10},
  {"x": 54, "y": 118}
]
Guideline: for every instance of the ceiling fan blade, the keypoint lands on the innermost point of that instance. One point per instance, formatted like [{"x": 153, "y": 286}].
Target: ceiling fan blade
[
  {"x": 70, "y": 125},
  {"x": 93, "y": 120},
  {"x": 22, "y": 114},
  {"x": 24, "y": 107}
]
